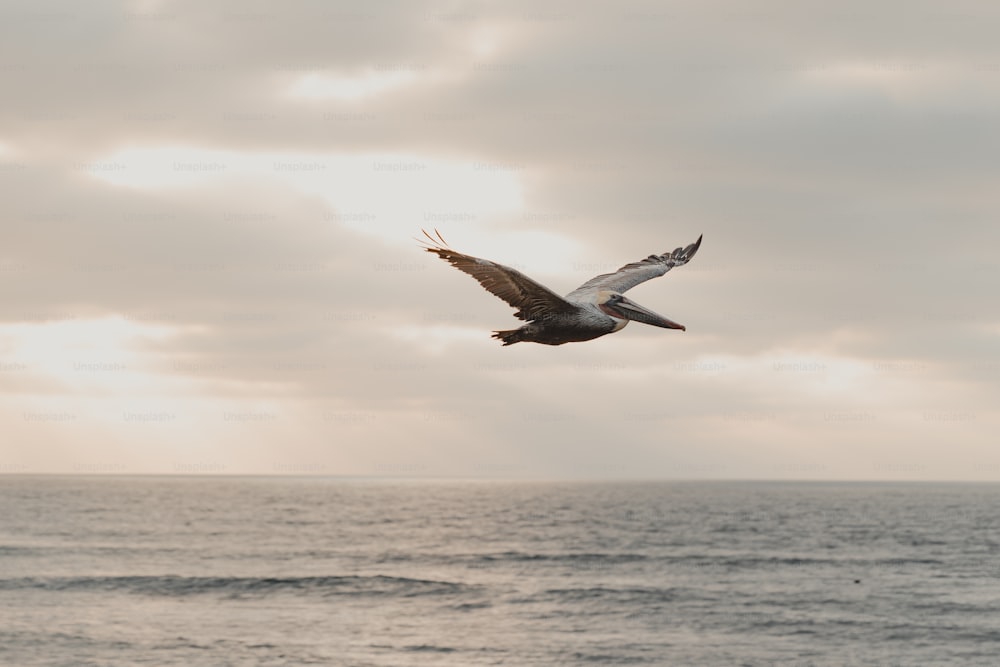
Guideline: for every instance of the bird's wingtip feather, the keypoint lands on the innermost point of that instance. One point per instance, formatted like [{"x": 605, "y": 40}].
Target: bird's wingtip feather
[{"x": 430, "y": 243}]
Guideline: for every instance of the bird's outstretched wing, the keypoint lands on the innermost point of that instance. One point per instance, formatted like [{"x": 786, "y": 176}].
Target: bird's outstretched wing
[
  {"x": 532, "y": 300},
  {"x": 632, "y": 274}
]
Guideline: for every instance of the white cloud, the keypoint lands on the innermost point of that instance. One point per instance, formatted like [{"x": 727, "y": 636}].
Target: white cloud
[
  {"x": 388, "y": 194},
  {"x": 315, "y": 85}
]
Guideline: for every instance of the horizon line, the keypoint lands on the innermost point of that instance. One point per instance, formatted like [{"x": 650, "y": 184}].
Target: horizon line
[{"x": 472, "y": 478}]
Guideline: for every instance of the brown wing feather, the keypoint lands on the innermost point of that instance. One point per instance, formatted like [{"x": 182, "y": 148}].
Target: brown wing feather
[{"x": 533, "y": 301}]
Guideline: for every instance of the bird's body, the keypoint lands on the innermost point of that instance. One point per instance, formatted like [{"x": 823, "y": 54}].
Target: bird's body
[
  {"x": 592, "y": 310},
  {"x": 586, "y": 322}
]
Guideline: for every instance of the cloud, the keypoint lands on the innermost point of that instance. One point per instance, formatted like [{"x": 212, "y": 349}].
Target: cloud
[{"x": 223, "y": 198}]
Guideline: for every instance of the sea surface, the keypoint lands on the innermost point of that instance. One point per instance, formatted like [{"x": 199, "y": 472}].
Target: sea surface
[{"x": 213, "y": 571}]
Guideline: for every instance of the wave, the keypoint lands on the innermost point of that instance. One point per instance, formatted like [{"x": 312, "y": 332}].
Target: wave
[
  {"x": 173, "y": 585},
  {"x": 597, "y": 560},
  {"x": 17, "y": 550},
  {"x": 771, "y": 562},
  {"x": 627, "y": 594},
  {"x": 429, "y": 648},
  {"x": 520, "y": 556}
]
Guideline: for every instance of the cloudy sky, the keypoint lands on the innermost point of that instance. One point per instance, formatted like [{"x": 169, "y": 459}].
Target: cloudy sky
[{"x": 208, "y": 216}]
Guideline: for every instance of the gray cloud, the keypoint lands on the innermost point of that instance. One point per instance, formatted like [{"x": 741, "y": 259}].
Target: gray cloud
[{"x": 839, "y": 163}]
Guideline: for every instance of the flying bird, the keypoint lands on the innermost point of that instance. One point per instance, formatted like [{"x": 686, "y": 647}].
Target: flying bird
[{"x": 593, "y": 309}]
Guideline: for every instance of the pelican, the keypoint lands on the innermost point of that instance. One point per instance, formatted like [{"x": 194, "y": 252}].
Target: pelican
[{"x": 592, "y": 310}]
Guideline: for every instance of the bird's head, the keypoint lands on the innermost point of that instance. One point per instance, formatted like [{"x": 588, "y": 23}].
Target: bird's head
[{"x": 621, "y": 307}]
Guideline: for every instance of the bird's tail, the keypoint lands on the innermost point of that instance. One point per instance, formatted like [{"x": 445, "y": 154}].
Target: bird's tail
[{"x": 508, "y": 337}]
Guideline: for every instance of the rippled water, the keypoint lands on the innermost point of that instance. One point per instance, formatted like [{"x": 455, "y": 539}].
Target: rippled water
[{"x": 282, "y": 571}]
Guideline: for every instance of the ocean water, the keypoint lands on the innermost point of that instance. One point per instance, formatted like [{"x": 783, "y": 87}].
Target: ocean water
[{"x": 203, "y": 571}]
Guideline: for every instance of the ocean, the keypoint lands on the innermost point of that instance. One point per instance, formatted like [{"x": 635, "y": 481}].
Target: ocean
[{"x": 214, "y": 571}]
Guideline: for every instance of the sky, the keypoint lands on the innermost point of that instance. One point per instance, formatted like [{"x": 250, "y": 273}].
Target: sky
[{"x": 209, "y": 209}]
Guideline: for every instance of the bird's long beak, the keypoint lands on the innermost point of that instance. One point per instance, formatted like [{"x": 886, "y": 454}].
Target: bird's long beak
[{"x": 633, "y": 311}]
